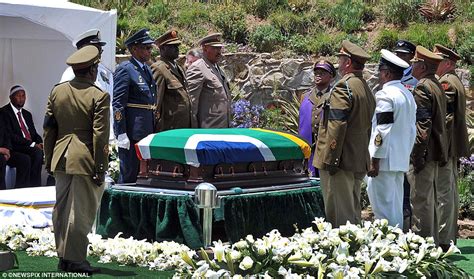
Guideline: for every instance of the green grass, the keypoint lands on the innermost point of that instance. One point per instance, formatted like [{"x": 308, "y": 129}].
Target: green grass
[{"x": 112, "y": 270}]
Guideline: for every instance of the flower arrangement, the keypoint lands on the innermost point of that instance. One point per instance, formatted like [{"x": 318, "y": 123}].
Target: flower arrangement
[
  {"x": 246, "y": 115},
  {"x": 114, "y": 161},
  {"x": 372, "y": 250},
  {"x": 350, "y": 251}
]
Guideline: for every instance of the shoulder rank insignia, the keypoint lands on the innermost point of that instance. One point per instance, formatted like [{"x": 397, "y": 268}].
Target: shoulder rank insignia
[
  {"x": 378, "y": 140},
  {"x": 333, "y": 144},
  {"x": 118, "y": 116}
]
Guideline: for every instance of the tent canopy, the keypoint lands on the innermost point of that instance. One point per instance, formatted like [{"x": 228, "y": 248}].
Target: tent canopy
[{"x": 36, "y": 39}]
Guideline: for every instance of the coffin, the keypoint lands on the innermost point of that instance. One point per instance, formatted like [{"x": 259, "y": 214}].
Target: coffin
[{"x": 227, "y": 158}]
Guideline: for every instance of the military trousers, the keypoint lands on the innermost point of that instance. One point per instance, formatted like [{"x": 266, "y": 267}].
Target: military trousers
[
  {"x": 448, "y": 201},
  {"x": 385, "y": 193},
  {"x": 424, "y": 200},
  {"x": 341, "y": 194},
  {"x": 77, "y": 201}
]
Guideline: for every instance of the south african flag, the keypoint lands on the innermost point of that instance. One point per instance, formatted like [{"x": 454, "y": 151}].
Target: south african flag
[{"x": 197, "y": 147}]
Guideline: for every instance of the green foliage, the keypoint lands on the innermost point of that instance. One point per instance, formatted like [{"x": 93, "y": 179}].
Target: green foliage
[
  {"x": 290, "y": 109},
  {"x": 427, "y": 35},
  {"x": 465, "y": 45},
  {"x": 262, "y": 8},
  {"x": 289, "y": 22},
  {"x": 299, "y": 6},
  {"x": 157, "y": 11},
  {"x": 401, "y": 12},
  {"x": 272, "y": 119},
  {"x": 192, "y": 15},
  {"x": 349, "y": 16},
  {"x": 266, "y": 38},
  {"x": 231, "y": 21},
  {"x": 387, "y": 39}
]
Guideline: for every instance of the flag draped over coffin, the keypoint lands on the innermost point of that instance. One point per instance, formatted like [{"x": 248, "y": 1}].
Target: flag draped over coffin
[{"x": 197, "y": 147}]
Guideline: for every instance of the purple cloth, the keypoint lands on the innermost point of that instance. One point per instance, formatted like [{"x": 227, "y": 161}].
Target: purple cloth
[{"x": 305, "y": 129}]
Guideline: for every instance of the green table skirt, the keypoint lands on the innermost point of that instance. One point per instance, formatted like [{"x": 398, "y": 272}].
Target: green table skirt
[{"x": 159, "y": 217}]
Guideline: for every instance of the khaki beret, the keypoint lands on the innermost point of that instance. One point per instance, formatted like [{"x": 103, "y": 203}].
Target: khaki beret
[
  {"x": 84, "y": 58},
  {"x": 446, "y": 52},
  {"x": 423, "y": 54},
  {"x": 214, "y": 39},
  {"x": 353, "y": 51},
  {"x": 168, "y": 38}
]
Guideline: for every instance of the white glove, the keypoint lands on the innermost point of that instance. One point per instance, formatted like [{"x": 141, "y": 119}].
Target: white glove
[{"x": 123, "y": 141}]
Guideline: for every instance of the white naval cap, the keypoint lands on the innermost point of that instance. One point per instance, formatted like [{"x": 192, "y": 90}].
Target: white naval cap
[
  {"x": 91, "y": 36},
  {"x": 391, "y": 58}
]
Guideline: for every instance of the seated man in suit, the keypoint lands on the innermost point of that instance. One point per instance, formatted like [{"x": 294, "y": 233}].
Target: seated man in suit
[{"x": 26, "y": 144}]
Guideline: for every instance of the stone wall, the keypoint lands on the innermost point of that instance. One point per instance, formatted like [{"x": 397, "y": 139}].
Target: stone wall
[{"x": 259, "y": 76}]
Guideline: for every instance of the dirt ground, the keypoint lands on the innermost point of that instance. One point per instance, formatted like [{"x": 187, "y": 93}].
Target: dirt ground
[{"x": 466, "y": 226}]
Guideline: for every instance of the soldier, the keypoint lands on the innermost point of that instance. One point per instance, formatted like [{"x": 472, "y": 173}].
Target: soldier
[
  {"x": 312, "y": 105},
  {"x": 134, "y": 103},
  {"x": 458, "y": 145},
  {"x": 342, "y": 154},
  {"x": 208, "y": 87},
  {"x": 391, "y": 141},
  {"x": 192, "y": 56},
  {"x": 174, "y": 107},
  {"x": 406, "y": 50},
  {"x": 77, "y": 153},
  {"x": 430, "y": 149}
]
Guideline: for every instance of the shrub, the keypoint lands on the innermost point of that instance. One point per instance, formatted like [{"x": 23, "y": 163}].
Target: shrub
[
  {"x": 466, "y": 45},
  {"x": 349, "y": 16},
  {"x": 427, "y": 35},
  {"x": 289, "y": 23},
  {"x": 401, "y": 12},
  {"x": 387, "y": 39},
  {"x": 266, "y": 38},
  {"x": 189, "y": 16},
  {"x": 299, "y": 6},
  {"x": 157, "y": 11},
  {"x": 271, "y": 118},
  {"x": 262, "y": 8},
  {"x": 299, "y": 44},
  {"x": 231, "y": 21}
]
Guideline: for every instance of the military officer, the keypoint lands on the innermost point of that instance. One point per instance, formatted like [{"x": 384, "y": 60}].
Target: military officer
[
  {"x": 458, "y": 145},
  {"x": 174, "y": 107},
  {"x": 342, "y": 154},
  {"x": 430, "y": 149},
  {"x": 208, "y": 87},
  {"x": 391, "y": 141},
  {"x": 77, "y": 153},
  {"x": 134, "y": 103},
  {"x": 406, "y": 50},
  {"x": 311, "y": 107}
]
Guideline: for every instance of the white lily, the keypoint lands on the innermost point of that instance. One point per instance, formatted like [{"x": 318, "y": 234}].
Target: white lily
[{"x": 246, "y": 263}]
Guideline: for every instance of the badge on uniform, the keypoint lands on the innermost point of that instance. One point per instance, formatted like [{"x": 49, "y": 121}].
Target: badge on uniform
[
  {"x": 333, "y": 144},
  {"x": 118, "y": 116},
  {"x": 378, "y": 140},
  {"x": 140, "y": 79}
]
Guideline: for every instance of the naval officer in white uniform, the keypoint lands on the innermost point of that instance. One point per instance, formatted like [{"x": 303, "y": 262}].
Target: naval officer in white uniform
[{"x": 391, "y": 142}]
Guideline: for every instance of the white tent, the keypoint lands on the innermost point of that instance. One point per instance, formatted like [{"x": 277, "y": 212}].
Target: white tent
[{"x": 36, "y": 39}]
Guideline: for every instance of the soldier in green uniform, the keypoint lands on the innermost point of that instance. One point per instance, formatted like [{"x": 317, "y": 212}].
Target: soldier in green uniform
[
  {"x": 458, "y": 145},
  {"x": 174, "y": 107},
  {"x": 430, "y": 149},
  {"x": 77, "y": 153},
  {"x": 342, "y": 154}
]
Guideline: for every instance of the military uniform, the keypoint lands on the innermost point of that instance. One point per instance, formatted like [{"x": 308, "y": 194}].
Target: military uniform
[
  {"x": 391, "y": 142},
  {"x": 342, "y": 154},
  {"x": 174, "y": 107},
  {"x": 209, "y": 91},
  {"x": 310, "y": 112},
  {"x": 430, "y": 148},
  {"x": 77, "y": 153},
  {"x": 458, "y": 146},
  {"x": 134, "y": 105}
]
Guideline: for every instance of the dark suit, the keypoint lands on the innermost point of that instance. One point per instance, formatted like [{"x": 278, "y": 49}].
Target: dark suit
[
  {"x": 132, "y": 86},
  {"x": 5, "y": 143},
  {"x": 28, "y": 169}
]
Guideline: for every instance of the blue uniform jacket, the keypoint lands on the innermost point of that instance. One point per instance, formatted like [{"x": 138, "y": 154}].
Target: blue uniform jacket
[{"x": 133, "y": 85}]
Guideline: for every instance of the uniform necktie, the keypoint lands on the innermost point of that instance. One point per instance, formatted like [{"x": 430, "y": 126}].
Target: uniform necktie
[
  {"x": 147, "y": 72},
  {"x": 23, "y": 127}
]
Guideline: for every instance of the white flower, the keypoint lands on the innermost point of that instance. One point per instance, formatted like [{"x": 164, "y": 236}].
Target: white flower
[
  {"x": 452, "y": 249},
  {"x": 235, "y": 255},
  {"x": 219, "y": 251},
  {"x": 241, "y": 245},
  {"x": 246, "y": 263}
]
